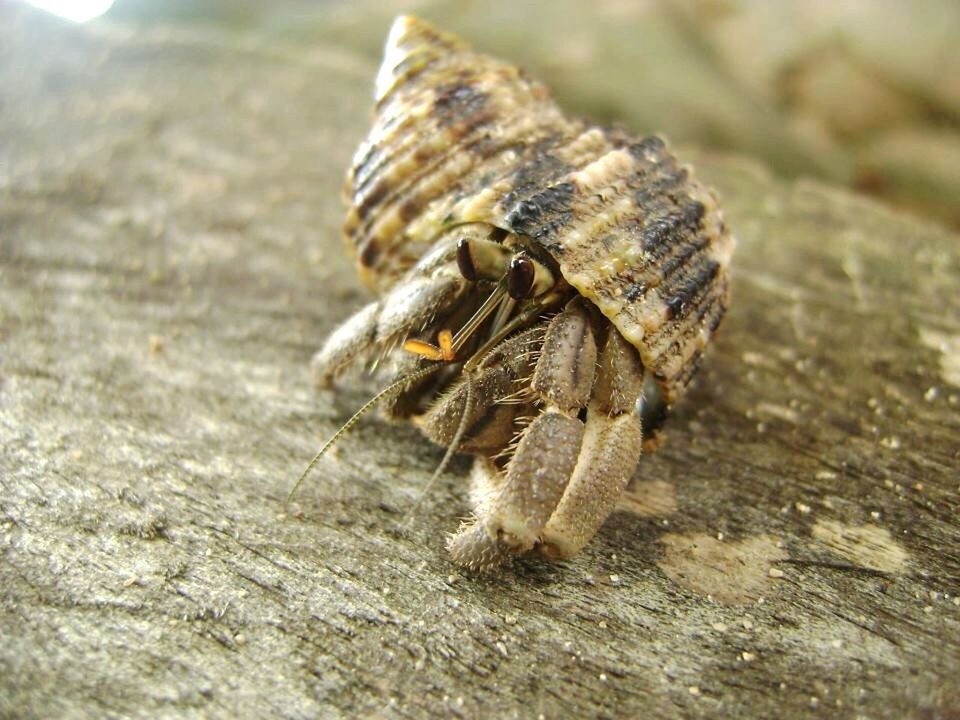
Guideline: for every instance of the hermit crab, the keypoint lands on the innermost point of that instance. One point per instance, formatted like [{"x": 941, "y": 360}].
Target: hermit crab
[{"x": 546, "y": 288}]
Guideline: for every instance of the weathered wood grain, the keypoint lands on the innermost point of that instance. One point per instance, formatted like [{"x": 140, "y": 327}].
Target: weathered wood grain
[{"x": 170, "y": 257}]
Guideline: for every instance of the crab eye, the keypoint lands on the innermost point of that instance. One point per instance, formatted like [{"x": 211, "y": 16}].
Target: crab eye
[
  {"x": 520, "y": 277},
  {"x": 481, "y": 259},
  {"x": 465, "y": 260}
]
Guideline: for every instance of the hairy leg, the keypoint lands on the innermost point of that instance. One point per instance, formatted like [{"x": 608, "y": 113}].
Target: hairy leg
[
  {"x": 609, "y": 455},
  {"x": 511, "y": 518},
  {"x": 407, "y": 309}
]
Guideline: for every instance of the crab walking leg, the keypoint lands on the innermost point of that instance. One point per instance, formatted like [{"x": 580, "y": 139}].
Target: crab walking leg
[
  {"x": 609, "y": 456},
  {"x": 407, "y": 309},
  {"x": 471, "y": 546},
  {"x": 547, "y": 452},
  {"x": 536, "y": 477}
]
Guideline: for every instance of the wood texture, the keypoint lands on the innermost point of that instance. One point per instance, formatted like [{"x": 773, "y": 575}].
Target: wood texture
[{"x": 170, "y": 256}]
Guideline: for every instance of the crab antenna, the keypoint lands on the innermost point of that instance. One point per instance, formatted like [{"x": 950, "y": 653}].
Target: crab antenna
[
  {"x": 451, "y": 448},
  {"x": 391, "y": 388},
  {"x": 448, "y": 344},
  {"x": 489, "y": 305}
]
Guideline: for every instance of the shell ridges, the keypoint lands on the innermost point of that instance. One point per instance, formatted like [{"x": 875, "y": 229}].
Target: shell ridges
[{"x": 460, "y": 137}]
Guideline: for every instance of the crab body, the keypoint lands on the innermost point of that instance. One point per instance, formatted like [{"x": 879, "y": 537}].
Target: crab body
[{"x": 585, "y": 269}]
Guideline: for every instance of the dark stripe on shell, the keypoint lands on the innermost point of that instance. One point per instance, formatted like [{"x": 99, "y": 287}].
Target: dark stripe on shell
[
  {"x": 666, "y": 228},
  {"x": 680, "y": 296},
  {"x": 543, "y": 170},
  {"x": 651, "y": 145},
  {"x": 655, "y": 191},
  {"x": 538, "y": 216},
  {"x": 369, "y": 201},
  {"x": 457, "y": 102},
  {"x": 369, "y": 252}
]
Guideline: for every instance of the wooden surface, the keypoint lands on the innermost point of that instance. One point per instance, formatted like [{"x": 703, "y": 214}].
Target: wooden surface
[{"x": 169, "y": 259}]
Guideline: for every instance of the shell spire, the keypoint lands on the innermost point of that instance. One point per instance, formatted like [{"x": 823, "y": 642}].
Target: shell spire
[{"x": 411, "y": 45}]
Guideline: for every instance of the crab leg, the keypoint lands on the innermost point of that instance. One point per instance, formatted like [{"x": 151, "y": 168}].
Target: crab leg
[
  {"x": 519, "y": 505},
  {"x": 410, "y": 306},
  {"x": 609, "y": 456}
]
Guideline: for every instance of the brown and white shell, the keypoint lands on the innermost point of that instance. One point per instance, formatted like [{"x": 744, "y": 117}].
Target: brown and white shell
[{"x": 459, "y": 137}]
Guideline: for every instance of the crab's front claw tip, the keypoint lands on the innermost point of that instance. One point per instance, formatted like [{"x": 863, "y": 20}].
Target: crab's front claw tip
[{"x": 475, "y": 549}]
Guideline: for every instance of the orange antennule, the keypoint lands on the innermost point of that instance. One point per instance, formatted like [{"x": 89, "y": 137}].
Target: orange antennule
[{"x": 444, "y": 352}]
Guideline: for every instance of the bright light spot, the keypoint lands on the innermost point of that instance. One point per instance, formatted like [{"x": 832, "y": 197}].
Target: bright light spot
[{"x": 76, "y": 10}]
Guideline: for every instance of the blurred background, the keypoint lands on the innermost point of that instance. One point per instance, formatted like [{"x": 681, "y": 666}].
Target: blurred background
[{"x": 861, "y": 93}]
